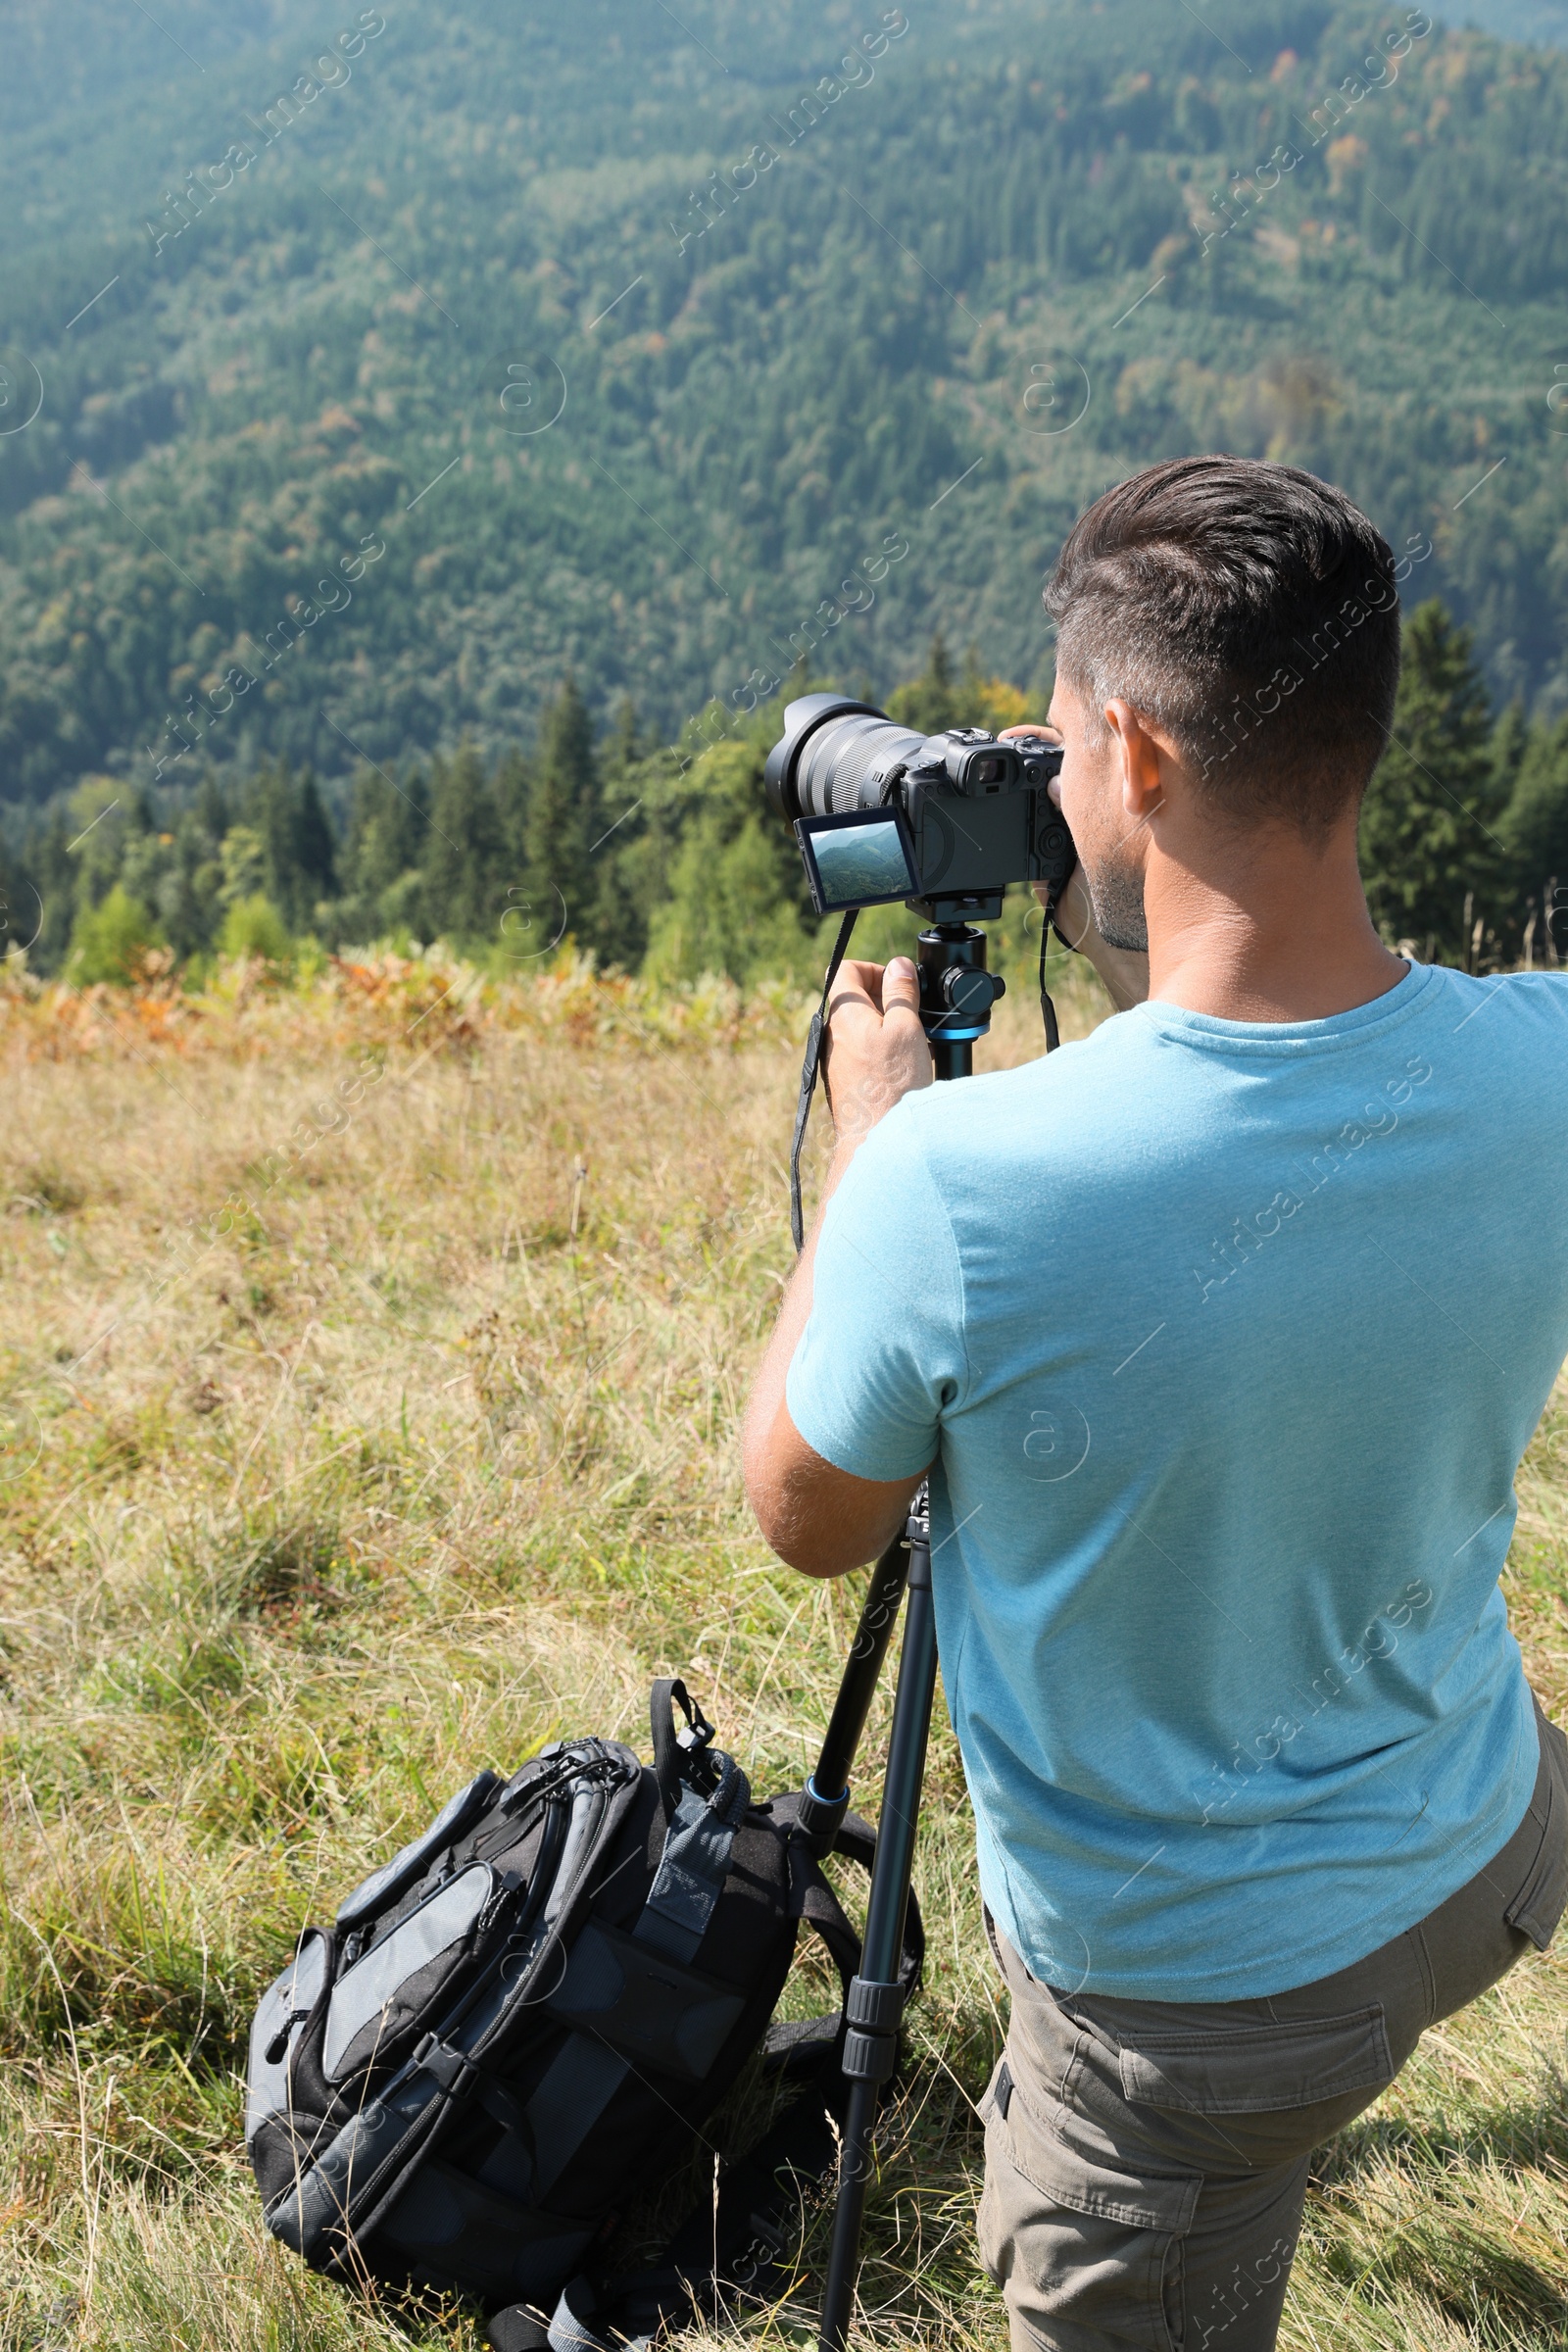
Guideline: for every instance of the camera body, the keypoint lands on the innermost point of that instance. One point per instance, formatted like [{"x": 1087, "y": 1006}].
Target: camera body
[{"x": 944, "y": 822}]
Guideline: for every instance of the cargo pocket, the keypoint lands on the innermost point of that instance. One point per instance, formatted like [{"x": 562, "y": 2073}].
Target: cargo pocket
[
  {"x": 1079, "y": 2249},
  {"x": 1260, "y": 2095},
  {"x": 1539, "y": 1904},
  {"x": 1252, "y": 2069}
]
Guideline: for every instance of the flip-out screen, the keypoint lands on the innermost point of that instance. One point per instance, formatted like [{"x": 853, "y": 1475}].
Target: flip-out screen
[{"x": 864, "y": 858}]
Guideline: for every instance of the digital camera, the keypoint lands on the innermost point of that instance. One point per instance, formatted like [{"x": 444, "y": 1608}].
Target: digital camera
[{"x": 883, "y": 813}]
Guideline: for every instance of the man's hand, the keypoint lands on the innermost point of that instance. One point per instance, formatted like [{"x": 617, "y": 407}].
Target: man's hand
[
  {"x": 817, "y": 1517},
  {"x": 876, "y": 1050}
]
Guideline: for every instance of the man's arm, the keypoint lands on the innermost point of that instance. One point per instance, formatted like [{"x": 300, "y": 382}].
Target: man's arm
[{"x": 819, "y": 1518}]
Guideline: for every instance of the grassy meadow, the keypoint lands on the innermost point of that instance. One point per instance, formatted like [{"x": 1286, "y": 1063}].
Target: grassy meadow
[{"x": 371, "y": 1360}]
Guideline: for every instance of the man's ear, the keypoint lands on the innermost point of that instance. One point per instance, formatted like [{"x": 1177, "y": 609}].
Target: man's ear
[{"x": 1139, "y": 758}]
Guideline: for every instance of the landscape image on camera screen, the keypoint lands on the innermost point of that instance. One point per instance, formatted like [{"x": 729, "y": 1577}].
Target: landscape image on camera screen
[{"x": 861, "y": 861}]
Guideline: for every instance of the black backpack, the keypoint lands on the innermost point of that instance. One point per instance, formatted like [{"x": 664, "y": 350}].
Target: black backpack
[{"x": 516, "y": 2028}]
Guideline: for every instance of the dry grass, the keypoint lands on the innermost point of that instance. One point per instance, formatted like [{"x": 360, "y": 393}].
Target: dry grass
[{"x": 423, "y": 1455}]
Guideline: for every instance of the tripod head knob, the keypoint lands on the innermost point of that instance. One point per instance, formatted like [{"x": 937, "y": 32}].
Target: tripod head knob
[
  {"x": 956, "y": 993},
  {"x": 970, "y": 994}
]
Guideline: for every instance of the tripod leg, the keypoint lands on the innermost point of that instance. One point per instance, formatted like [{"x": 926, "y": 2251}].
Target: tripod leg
[
  {"x": 827, "y": 1793},
  {"x": 877, "y": 1998}
]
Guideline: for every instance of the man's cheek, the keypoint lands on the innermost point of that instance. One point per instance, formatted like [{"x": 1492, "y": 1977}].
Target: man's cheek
[{"x": 1075, "y": 797}]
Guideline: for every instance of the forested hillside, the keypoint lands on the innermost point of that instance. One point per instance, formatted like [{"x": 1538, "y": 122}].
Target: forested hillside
[{"x": 365, "y": 378}]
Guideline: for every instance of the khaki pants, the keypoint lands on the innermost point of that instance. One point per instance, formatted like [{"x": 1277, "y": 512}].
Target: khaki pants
[{"x": 1146, "y": 2161}]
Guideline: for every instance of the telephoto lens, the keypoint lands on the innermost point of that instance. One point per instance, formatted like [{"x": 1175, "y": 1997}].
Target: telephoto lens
[
  {"x": 973, "y": 813},
  {"x": 836, "y": 755}
]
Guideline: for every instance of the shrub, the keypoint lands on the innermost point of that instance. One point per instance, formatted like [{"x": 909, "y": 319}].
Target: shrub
[
  {"x": 253, "y": 926},
  {"x": 112, "y": 941}
]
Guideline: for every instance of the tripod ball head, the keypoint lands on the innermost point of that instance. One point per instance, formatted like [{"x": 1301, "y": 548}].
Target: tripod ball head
[{"x": 956, "y": 994}]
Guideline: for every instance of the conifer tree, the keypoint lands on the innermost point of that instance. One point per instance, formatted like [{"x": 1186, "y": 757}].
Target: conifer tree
[
  {"x": 513, "y": 781},
  {"x": 56, "y": 877},
  {"x": 931, "y": 702},
  {"x": 21, "y": 905},
  {"x": 300, "y": 861},
  {"x": 1430, "y": 826},
  {"x": 465, "y": 852},
  {"x": 618, "y": 926},
  {"x": 563, "y": 819},
  {"x": 315, "y": 848},
  {"x": 1536, "y": 829},
  {"x": 387, "y": 835},
  {"x": 1510, "y": 740}
]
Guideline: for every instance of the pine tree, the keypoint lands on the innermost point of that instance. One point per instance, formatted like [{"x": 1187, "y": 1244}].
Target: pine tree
[
  {"x": 300, "y": 857},
  {"x": 465, "y": 852},
  {"x": 512, "y": 785},
  {"x": 315, "y": 848},
  {"x": 212, "y": 808},
  {"x": 21, "y": 905},
  {"x": 931, "y": 702},
  {"x": 1510, "y": 740},
  {"x": 387, "y": 835},
  {"x": 562, "y": 820},
  {"x": 1430, "y": 826},
  {"x": 271, "y": 817},
  {"x": 57, "y": 879},
  {"x": 616, "y": 927},
  {"x": 1534, "y": 827}
]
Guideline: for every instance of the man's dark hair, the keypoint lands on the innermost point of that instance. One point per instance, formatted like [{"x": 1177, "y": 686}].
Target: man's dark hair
[{"x": 1253, "y": 612}]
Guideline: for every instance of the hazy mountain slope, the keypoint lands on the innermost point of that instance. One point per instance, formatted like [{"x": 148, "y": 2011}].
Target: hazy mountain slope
[{"x": 942, "y": 297}]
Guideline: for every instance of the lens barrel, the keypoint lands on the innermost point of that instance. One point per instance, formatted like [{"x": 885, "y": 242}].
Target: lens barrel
[
  {"x": 835, "y": 754},
  {"x": 850, "y": 763}
]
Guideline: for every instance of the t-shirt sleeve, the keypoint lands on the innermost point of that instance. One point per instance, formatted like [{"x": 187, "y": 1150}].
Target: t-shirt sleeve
[{"x": 882, "y": 1357}]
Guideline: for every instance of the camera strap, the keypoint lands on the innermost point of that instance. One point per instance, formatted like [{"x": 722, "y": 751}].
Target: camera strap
[
  {"x": 809, "y": 1069},
  {"x": 1048, "y": 917},
  {"x": 1048, "y": 1010}
]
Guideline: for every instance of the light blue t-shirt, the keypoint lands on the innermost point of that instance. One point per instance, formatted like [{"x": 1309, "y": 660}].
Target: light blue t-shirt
[{"x": 1227, "y": 1337}]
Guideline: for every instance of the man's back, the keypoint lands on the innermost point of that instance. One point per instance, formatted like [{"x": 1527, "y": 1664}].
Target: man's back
[{"x": 1234, "y": 1334}]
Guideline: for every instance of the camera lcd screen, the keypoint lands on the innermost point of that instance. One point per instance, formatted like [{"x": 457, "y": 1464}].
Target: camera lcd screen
[{"x": 864, "y": 858}]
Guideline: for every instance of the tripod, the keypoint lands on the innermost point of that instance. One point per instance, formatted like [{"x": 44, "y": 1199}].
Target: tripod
[{"x": 956, "y": 994}]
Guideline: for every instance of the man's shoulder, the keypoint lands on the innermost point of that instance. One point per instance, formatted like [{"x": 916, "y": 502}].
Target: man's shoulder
[
  {"x": 1542, "y": 995},
  {"x": 1514, "y": 1020},
  {"x": 1020, "y": 1109}
]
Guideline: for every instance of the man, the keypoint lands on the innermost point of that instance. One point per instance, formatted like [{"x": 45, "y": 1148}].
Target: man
[{"x": 1220, "y": 1335}]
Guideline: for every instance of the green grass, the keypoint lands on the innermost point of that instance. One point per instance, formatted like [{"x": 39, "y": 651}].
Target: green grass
[{"x": 430, "y": 1458}]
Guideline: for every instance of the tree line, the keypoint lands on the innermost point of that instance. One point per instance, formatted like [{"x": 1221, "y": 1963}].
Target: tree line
[{"x": 664, "y": 859}]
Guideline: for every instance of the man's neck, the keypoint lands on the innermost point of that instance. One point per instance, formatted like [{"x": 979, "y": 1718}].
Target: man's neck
[{"x": 1273, "y": 929}]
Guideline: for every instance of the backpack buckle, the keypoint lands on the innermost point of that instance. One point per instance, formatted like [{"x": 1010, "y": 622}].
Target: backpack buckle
[
  {"x": 680, "y": 1757},
  {"x": 432, "y": 2056}
]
